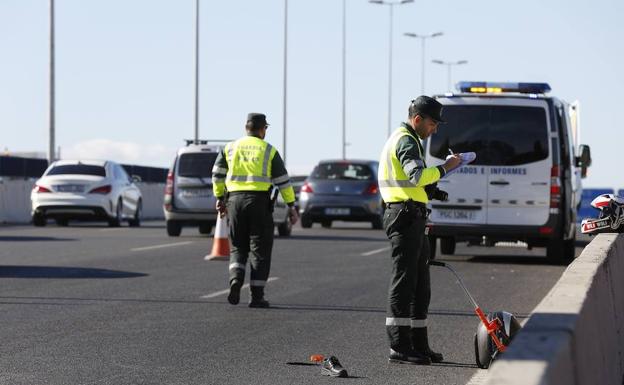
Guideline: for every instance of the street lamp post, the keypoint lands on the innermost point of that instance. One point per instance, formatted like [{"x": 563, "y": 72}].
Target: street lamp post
[
  {"x": 422, "y": 39},
  {"x": 52, "y": 134},
  {"x": 196, "y": 71},
  {"x": 390, "y": 5},
  {"x": 285, "y": 77},
  {"x": 344, "y": 81},
  {"x": 449, "y": 65}
]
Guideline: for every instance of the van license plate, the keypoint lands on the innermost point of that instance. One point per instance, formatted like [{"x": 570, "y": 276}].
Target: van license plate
[
  {"x": 333, "y": 211},
  {"x": 467, "y": 215}
]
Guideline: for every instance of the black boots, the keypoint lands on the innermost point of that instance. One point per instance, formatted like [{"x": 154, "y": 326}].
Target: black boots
[
  {"x": 257, "y": 297},
  {"x": 420, "y": 343},
  {"x": 411, "y": 357},
  {"x": 235, "y": 287}
]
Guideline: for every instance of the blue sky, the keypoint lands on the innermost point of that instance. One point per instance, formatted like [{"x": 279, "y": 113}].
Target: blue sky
[{"x": 125, "y": 71}]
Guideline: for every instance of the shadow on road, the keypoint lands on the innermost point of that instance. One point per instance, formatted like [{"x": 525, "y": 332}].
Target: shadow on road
[
  {"x": 332, "y": 238},
  {"x": 63, "y": 272},
  {"x": 505, "y": 259},
  {"x": 28, "y": 238},
  {"x": 456, "y": 365}
]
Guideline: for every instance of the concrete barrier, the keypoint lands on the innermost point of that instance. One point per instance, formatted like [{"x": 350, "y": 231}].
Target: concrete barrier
[
  {"x": 15, "y": 204},
  {"x": 576, "y": 334}
]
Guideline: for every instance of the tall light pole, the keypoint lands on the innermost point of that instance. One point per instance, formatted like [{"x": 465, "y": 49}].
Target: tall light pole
[
  {"x": 390, "y": 5},
  {"x": 51, "y": 139},
  {"x": 344, "y": 81},
  {"x": 196, "y": 71},
  {"x": 422, "y": 39},
  {"x": 285, "y": 76},
  {"x": 449, "y": 64}
]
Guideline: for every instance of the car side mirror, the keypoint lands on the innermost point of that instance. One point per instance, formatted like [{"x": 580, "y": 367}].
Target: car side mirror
[
  {"x": 135, "y": 179},
  {"x": 584, "y": 160}
]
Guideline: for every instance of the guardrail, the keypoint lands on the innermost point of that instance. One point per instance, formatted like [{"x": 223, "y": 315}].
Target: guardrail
[
  {"x": 15, "y": 200},
  {"x": 576, "y": 334}
]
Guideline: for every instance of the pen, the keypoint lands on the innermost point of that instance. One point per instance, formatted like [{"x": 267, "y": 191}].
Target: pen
[{"x": 451, "y": 151}]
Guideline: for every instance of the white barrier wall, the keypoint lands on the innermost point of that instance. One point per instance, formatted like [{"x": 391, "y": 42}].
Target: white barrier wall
[
  {"x": 576, "y": 334},
  {"x": 15, "y": 200}
]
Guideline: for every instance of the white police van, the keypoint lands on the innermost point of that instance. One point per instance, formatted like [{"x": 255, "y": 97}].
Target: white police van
[{"x": 525, "y": 183}]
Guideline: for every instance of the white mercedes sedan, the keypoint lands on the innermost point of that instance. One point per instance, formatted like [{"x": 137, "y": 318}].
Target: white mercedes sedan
[{"x": 86, "y": 190}]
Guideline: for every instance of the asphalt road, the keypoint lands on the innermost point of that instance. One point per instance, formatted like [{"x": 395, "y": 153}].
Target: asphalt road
[{"x": 88, "y": 304}]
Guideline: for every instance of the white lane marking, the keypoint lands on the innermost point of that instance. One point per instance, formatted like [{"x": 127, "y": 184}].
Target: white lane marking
[
  {"x": 161, "y": 246},
  {"x": 113, "y": 229},
  {"x": 376, "y": 251},
  {"x": 221, "y": 292}
]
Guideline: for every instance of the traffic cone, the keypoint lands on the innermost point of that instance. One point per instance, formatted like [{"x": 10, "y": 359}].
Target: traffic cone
[{"x": 221, "y": 242}]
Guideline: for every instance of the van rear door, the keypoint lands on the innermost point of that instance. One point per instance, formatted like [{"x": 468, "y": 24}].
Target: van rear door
[
  {"x": 509, "y": 181},
  {"x": 193, "y": 184},
  {"x": 520, "y": 164},
  {"x": 464, "y": 131}
]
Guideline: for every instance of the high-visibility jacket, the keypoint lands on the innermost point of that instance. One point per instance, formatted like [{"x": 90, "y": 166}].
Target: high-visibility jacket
[
  {"x": 394, "y": 183},
  {"x": 247, "y": 165}
]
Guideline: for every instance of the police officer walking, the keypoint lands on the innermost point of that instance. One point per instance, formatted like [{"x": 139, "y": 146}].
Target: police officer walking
[
  {"x": 403, "y": 179},
  {"x": 243, "y": 175}
]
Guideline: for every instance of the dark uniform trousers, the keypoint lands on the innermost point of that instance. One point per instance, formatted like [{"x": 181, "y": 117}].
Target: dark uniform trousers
[
  {"x": 410, "y": 287},
  {"x": 251, "y": 229}
]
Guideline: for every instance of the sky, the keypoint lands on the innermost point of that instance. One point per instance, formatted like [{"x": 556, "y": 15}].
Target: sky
[{"x": 125, "y": 77}]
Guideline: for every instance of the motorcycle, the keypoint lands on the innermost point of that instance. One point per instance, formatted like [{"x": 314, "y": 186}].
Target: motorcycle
[{"x": 610, "y": 218}]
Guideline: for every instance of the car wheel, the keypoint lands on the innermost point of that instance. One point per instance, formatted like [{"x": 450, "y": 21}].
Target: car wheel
[
  {"x": 306, "y": 222},
  {"x": 447, "y": 245},
  {"x": 39, "y": 220},
  {"x": 377, "y": 223},
  {"x": 174, "y": 229},
  {"x": 284, "y": 229},
  {"x": 326, "y": 224},
  {"x": 116, "y": 220},
  {"x": 205, "y": 228},
  {"x": 136, "y": 220},
  {"x": 62, "y": 222}
]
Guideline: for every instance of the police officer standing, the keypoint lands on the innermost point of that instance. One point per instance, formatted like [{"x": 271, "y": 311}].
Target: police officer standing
[
  {"x": 403, "y": 179},
  {"x": 243, "y": 175}
]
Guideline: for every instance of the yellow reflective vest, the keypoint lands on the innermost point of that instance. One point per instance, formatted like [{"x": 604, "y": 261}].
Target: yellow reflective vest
[
  {"x": 394, "y": 184},
  {"x": 249, "y": 163}
]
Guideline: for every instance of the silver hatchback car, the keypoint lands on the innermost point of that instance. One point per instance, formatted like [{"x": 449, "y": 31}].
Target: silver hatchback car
[
  {"x": 189, "y": 199},
  {"x": 344, "y": 190}
]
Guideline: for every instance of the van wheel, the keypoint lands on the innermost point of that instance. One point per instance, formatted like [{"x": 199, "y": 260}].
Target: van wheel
[
  {"x": 174, "y": 229},
  {"x": 377, "y": 223},
  {"x": 560, "y": 251},
  {"x": 306, "y": 222},
  {"x": 447, "y": 245},
  {"x": 432, "y": 247},
  {"x": 205, "y": 228},
  {"x": 284, "y": 229},
  {"x": 39, "y": 220}
]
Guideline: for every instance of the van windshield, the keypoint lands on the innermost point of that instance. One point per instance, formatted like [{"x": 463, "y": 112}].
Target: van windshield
[
  {"x": 499, "y": 135},
  {"x": 197, "y": 165}
]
